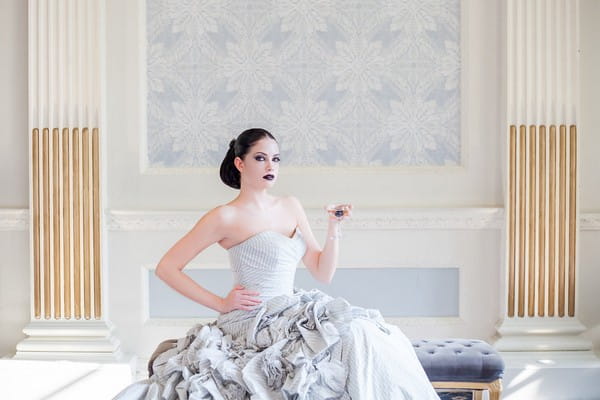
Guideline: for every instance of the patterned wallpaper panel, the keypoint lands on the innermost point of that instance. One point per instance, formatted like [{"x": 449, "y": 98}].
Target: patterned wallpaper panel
[{"x": 339, "y": 83}]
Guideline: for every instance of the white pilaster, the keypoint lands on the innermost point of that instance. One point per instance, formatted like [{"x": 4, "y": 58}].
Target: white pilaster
[
  {"x": 69, "y": 315},
  {"x": 542, "y": 85}
]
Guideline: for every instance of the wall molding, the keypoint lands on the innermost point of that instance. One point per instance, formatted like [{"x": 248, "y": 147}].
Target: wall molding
[
  {"x": 589, "y": 221},
  {"x": 14, "y": 219},
  {"x": 472, "y": 218},
  {"x": 364, "y": 219}
]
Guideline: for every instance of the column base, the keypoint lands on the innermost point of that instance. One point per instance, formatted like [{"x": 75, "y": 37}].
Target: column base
[
  {"x": 537, "y": 334},
  {"x": 550, "y": 359},
  {"x": 92, "y": 341}
]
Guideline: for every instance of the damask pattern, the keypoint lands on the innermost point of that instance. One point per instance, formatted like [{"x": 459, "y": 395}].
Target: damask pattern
[{"x": 339, "y": 83}]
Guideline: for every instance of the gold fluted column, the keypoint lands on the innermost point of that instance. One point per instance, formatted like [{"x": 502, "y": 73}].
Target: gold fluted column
[
  {"x": 76, "y": 225},
  {"x": 67, "y": 244},
  {"x": 80, "y": 228},
  {"x": 572, "y": 216},
  {"x": 512, "y": 212},
  {"x": 96, "y": 235},
  {"x": 46, "y": 225},
  {"x": 538, "y": 163},
  {"x": 552, "y": 224},
  {"x": 35, "y": 153},
  {"x": 540, "y": 291},
  {"x": 541, "y": 217},
  {"x": 87, "y": 298},
  {"x": 68, "y": 304}
]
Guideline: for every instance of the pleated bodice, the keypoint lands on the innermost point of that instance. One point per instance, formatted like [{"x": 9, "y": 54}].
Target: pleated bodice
[{"x": 266, "y": 262}]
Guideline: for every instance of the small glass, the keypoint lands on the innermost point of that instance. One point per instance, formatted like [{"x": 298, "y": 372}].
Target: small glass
[{"x": 338, "y": 210}]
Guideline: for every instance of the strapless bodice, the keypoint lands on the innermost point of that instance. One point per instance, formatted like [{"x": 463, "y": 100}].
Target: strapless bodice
[{"x": 266, "y": 262}]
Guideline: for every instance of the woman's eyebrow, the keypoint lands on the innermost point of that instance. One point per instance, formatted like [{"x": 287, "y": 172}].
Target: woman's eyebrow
[{"x": 260, "y": 152}]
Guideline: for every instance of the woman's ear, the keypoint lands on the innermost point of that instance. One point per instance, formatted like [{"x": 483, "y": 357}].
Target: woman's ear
[{"x": 239, "y": 163}]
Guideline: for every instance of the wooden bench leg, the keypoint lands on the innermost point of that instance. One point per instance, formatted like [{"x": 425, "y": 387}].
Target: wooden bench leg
[
  {"x": 495, "y": 389},
  {"x": 477, "y": 388}
]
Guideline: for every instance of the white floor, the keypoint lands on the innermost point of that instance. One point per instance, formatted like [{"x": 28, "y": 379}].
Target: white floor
[
  {"x": 61, "y": 380},
  {"x": 66, "y": 380},
  {"x": 551, "y": 375},
  {"x": 551, "y": 384}
]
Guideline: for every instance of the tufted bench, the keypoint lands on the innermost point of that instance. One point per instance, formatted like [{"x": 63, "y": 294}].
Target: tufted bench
[{"x": 462, "y": 364}]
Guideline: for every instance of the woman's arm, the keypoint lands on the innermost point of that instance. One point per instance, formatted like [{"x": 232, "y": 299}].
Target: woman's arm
[
  {"x": 208, "y": 230},
  {"x": 321, "y": 263},
  {"x": 328, "y": 259}
]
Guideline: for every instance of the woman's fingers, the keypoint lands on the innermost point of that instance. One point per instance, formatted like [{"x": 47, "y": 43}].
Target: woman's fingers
[
  {"x": 251, "y": 299},
  {"x": 245, "y": 299},
  {"x": 247, "y": 305}
]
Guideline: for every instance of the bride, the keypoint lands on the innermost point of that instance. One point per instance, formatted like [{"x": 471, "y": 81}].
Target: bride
[{"x": 271, "y": 340}]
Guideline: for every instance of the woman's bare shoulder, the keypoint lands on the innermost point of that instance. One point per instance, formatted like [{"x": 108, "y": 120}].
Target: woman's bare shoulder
[
  {"x": 218, "y": 217},
  {"x": 224, "y": 213},
  {"x": 292, "y": 202}
]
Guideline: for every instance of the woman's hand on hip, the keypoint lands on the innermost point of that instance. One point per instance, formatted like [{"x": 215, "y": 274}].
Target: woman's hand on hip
[{"x": 240, "y": 299}]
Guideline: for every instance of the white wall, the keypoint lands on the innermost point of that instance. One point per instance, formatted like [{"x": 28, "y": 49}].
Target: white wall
[
  {"x": 589, "y": 168},
  {"x": 477, "y": 183},
  {"x": 477, "y": 252},
  {"x": 13, "y": 104},
  {"x": 14, "y": 191},
  {"x": 589, "y": 117}
]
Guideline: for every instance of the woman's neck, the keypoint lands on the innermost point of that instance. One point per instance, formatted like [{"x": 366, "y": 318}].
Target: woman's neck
[{"x": 256, "y": 199}]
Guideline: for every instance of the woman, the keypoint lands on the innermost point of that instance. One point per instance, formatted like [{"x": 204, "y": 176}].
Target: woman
[{"x": 272, "y": 341}]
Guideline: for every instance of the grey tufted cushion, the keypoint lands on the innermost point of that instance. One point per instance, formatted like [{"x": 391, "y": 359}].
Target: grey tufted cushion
[{"x": 459, "y": 360}]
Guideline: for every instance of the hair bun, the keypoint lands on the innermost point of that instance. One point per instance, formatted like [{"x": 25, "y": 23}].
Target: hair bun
[{"x": 239, "y": 147}]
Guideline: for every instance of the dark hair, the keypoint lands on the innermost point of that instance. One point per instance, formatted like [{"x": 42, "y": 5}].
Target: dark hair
[{"x": 230, "y": 175}]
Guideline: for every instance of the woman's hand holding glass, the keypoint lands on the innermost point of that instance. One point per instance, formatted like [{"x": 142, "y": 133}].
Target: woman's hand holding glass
[
  {"x": 337, "y": 212},
  {"x": 240, "y": 299}
]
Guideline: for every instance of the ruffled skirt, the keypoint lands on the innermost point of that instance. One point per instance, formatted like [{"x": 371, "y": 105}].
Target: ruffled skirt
[{"x": 307, "y": 346}]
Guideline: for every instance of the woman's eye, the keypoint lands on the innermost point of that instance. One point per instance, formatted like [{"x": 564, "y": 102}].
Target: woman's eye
[{"x": 261, "y": 158}]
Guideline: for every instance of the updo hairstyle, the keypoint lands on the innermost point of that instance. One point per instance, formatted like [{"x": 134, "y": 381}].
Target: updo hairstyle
[{"x": 239, "y": 147}]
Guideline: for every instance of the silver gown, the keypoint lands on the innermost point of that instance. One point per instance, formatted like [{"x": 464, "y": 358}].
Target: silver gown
[{"x": 296, "y": 345}]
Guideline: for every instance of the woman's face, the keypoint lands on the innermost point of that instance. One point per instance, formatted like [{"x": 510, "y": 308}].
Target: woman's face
[{"x": 260, "y": 166}]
